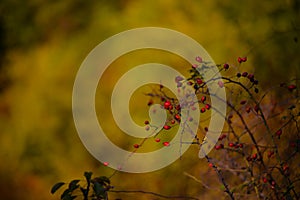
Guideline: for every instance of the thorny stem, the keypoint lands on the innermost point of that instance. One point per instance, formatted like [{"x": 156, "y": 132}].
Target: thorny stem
[
  {"x": 281, "y": 163},
  {"x": 219, "y": 173}
]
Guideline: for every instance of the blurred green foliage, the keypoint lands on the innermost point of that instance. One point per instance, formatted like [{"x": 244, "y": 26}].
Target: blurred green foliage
[{"x": 42, "y": 44}]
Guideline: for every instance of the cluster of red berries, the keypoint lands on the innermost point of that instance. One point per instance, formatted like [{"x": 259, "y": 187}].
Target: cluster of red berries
[
  {"x": 272, "y": 183},
  {"x": 290, "y": 87},
  {"x": 230, "y": 144},
  {"x": 249, "y": 76},
  {"x": 207, "y": 106},
  {"x": 235, "y": 145},
  {"x": 240, "y": 60}
]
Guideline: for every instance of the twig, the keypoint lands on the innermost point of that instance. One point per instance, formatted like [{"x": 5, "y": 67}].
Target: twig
[
  {"x": 154, "y": 194},
  {"x": 197, "y": 180}
]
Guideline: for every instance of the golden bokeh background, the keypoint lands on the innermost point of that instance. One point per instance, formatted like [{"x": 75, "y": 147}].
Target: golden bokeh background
[{"x": 43, "y": 43}]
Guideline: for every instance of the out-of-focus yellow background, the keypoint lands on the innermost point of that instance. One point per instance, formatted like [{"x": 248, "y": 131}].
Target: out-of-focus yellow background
[{"x": 43, "y": 43}]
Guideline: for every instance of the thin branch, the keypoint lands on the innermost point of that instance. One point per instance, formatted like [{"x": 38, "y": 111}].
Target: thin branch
[
  {"x": 197, "y": 180},
  {"x": 154, "y": 194}
]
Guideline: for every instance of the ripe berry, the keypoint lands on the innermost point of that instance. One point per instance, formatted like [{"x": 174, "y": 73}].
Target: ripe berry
[
  {"x": 167, "y": 104},
  {"x": 239, "y": 59},
  {"x": 220, "y": 146},
  {"x": 146, "y": 122},
  {"x": 226, "y": 66},
  {"x": 292, "y": 87},
  {"x": 167, "y": 127},
  {"x": 178, "y": 79},
  {"x": 273, "y": 183},
  {"x": 279, "y": 132},
  {"x": 199, "y": 59},
  {"x": 178, "y": 107},
  {"x": 150, "y": 102},
  {"x": 254, "y": 156},
  {"x": 285, "y": 168},
  {"x": 256, "y": 108},
  {"x": 172, "y": 121},
  {"x": 243, "y": 102},
  {"x": 199, "y": 81},
  {"x": 207, "y": 106},
  {"x": 136, "y": 146},
  {"x": 251, "y": 77},
  {"x": 177, "y": 117},
  {"x": 105, "y": 163},
  {"x": 179, "y": 84},
  {"x": 244, "y": 74},
  {"x": 203, "y": 98},
  {"x": 166, "y": 144},
  {"x": 223, "y": 136},
  {"x": 203, "y": 110},
  {"x": 210, "y": 165},
  {"x": 157, "y": 140},
  {"x": 241, "y": 145},
  {"x": 231, "y": 144},
  {"x": 194, "y": 66},
  {"x": 264, "y": 179},
  {"x": 221, "y": 84},
  {"x": 196, "y": 86}
]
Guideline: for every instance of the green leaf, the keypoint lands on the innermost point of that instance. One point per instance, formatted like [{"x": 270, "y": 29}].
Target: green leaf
[
  {"x": 103, "y": 180},
  {"x": 65, "y": 194},
  {"x": 56, "y": 187},
  {"x": 99, "y": 190},
  {"x": 73, "y": 185},
  {"x": 68, "y": 197},
  {"x": 88, "y": 176}
]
